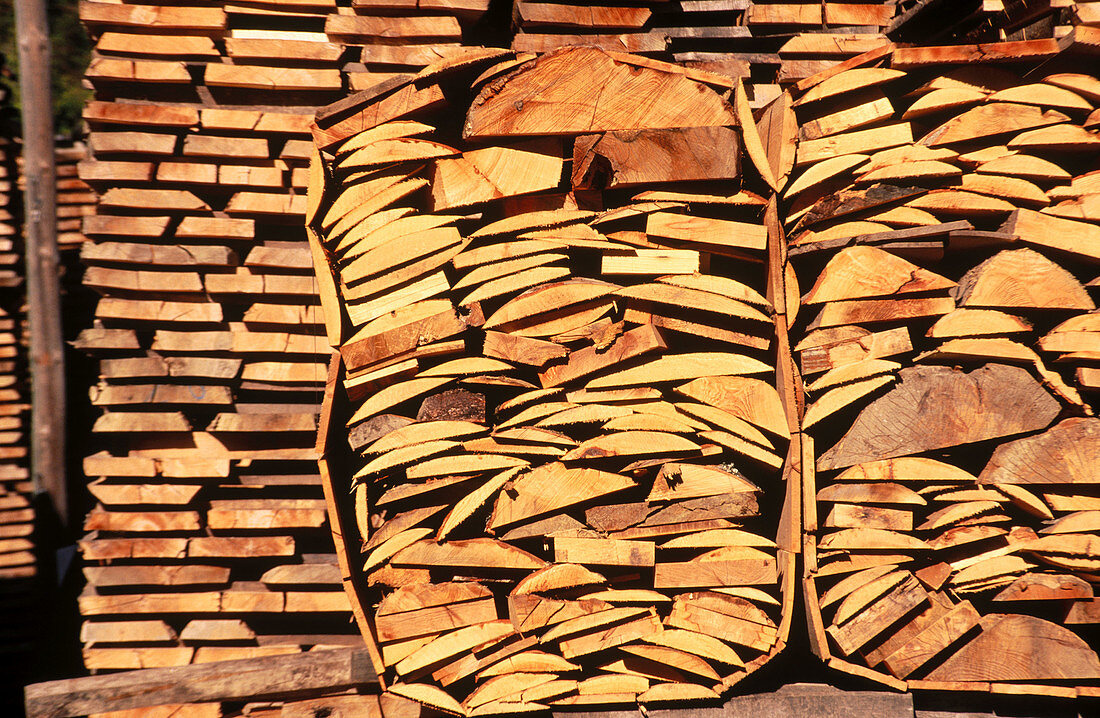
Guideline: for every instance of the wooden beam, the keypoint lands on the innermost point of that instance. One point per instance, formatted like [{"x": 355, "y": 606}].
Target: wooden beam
[{"x": 247, "y": 679}]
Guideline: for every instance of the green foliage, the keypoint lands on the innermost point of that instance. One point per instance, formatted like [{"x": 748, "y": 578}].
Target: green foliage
[{"x": 70, "y": 51}]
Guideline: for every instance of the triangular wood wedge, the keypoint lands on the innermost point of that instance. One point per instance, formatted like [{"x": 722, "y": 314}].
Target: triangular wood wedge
[
  {"x": 849, "y": 81},
  {"x": 631, "y": 443},
  {"x": 682, "y": 481},
  {"x": 754, "y": 400},
  {"x": 864, "y": 272},
  {"x": 429, "y": 695},
  {"x": 989, "y": 120},
  {"x": 549, "y": 298}
]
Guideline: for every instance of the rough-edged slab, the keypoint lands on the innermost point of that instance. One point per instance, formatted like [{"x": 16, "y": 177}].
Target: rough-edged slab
[
  {"x": 1020, "y": 648},
  {"x": 580, "y": 90},
  {"x": 934, "y": 407},
  {"x": 1068, "y": 453}
]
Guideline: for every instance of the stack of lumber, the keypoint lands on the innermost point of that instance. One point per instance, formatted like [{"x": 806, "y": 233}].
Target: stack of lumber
[
  {"x": 18, "y": 583},
  {"x": 75, "y": 199},
  {"x": 944, "y": 224},
  {"x": 550, "y": 296},
  {"x": 208, "y": 539}
]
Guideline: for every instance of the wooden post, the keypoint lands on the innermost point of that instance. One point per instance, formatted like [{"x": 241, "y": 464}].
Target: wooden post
[{"x": 43, "y": 290}]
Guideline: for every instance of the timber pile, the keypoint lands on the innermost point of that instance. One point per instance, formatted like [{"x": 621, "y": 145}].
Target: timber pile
[
  {"x": 943, "y": 223},
  {"x": 568, "y": 439},
  {"x": 208, "y": 538},
  {"x": 18, "y": 570}
]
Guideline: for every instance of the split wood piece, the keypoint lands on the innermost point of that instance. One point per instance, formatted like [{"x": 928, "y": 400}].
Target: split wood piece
[
  {"x": 847, "y": 82},
  {"x": 856, "y": 111},
  {"x": 849, "y": 373},
  {"x": 1044, "y": 230},
  {"x": 879, "y": 616},
  {"x": 818, "y": 174},
  {"x": 1014, "y": 278},
  {"x": 681, "y": 367},
  {"x": 429, "y": 609},
  {"x": 238, "y": 680},
  {"x": 392, "y": 100},
  {"x": 1020, "y": 648},
  {"x": 754, "y": 146},
  {"x": 603, "y": 552},
  {"x": 976, "y": 406},
  {"x": 872, "y": 311},
  {"x": 625, "y": 159},
  {"x": 692, "y": 615},
  {"x": 854, "y": 345},
  {"x": 522, "y": 314},
  {"x": 634, "y": 343},
  {"x": 838, "y": 398},
  {"x": 400, "y": 332},
  {"x": 490, "y": 173},
  {"x": 642, "y": 628},
  {"x": 548, "y": 96},
  {"x": 977, "y": 322},
  {"x": 990, "y": 120},
  {"x": 854, "y": 142},
  {"x": 752, "y": 400},
  {"x": 863, "y": 272},
  {"x": 717, "y": 573},
  {"x": 778, "y": 129},
  {"x": 550, "y": 488},
  {"x": 850, "y": 201},
  {"x": 651, "y": 262},
  {"x": 1060, "y": 455}
]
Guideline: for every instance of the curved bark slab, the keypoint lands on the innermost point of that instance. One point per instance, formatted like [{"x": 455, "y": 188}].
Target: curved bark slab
[
  {"x": 934, "y": 407},
  {"x": 1066, "y": 454},
  {"x": 1020, "y": 648}
]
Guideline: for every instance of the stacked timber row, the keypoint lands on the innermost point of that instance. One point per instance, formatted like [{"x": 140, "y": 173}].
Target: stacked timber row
[
  {"x": 549, "y": 282},
  {"x": 943, "y": 223},
  {"x": 75, "y": 199},
  {"x": 208, "y": 537},
  {"x": 18, "y": 582}
]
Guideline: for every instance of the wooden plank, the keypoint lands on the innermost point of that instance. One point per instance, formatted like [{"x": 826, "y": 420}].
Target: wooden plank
[{"x": 248, "y": 679}]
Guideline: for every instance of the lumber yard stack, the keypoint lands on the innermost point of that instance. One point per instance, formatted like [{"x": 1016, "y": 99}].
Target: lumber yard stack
[
  {"x": 75, "y": 199},
  {"x": 208, "y": 538},
  {"x": 554, "y": 304},
  {"x": 942, "y": 219},
  {"x": 18, "y": 567}
]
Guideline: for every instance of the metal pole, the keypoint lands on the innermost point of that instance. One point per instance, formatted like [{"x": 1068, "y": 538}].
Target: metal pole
[{"x": 47, "y": 358}]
